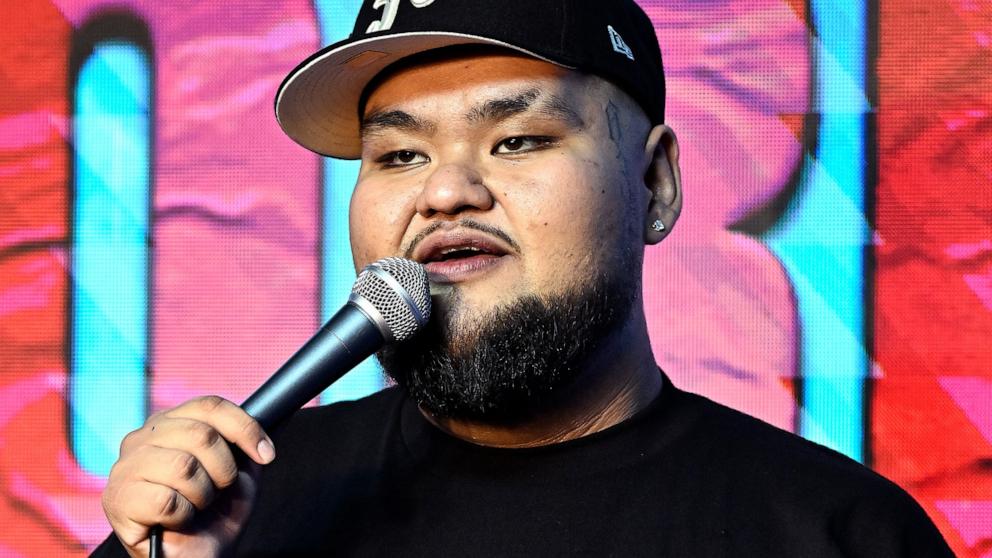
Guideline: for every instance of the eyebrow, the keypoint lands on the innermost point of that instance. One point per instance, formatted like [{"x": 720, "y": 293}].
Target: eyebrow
[
  {"x": 497, "y": 110},
  {"x": 380, "y": 121}
]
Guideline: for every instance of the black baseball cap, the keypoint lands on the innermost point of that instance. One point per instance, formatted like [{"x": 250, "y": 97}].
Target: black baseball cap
[{"x": 317, "y": 104}]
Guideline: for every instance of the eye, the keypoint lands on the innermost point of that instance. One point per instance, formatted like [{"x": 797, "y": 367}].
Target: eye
[
  {"x": 403, "y": 158},
  {"x": 522, "y": 144}
]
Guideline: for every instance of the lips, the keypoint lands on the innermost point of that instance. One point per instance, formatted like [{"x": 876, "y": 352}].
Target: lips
[{"x": 460, "y": 255}]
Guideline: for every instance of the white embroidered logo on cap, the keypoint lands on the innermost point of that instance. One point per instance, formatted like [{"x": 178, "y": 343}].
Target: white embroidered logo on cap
[
  {"x": 618, "y": 43},
  {"x": 389, "y": 13}
]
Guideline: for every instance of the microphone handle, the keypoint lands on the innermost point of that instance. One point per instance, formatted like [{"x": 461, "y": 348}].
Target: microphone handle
[{"x": 347, "y": 339}]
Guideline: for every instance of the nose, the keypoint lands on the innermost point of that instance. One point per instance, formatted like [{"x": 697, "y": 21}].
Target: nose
[{"x": 453, "y": 188}]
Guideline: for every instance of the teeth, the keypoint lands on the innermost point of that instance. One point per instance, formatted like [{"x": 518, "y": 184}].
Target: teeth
[{"x": 447, "y": 251}]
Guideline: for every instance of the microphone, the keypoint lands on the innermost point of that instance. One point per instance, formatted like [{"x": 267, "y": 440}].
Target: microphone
[{"x": 390, "y": 302}]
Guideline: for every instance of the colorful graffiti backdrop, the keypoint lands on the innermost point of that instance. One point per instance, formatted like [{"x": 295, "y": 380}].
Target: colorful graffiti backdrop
[{"x": 832, "y": 273}]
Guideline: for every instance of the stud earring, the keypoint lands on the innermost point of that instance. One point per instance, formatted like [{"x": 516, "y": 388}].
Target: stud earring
[{"x": 658, "y": 226}]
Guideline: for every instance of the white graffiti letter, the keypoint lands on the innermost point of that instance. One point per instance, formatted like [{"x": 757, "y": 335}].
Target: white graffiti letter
[{"x": 389, "y": 13}]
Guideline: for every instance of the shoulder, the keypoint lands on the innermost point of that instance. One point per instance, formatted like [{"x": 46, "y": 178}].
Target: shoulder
[
  {"x": 769, "y": 457},
  {"x": 755, "y": 446},
  {"x": 811, "y": 487}
]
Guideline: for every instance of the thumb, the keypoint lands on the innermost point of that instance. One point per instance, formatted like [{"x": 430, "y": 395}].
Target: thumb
[{"x": 236, "y": 502}]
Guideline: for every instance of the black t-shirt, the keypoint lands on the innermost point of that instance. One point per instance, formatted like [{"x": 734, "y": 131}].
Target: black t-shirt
[{"x": 686, "y": 477}]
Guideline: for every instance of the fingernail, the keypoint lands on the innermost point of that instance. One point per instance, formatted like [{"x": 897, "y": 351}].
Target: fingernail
[{"x": 266, "y": 451}]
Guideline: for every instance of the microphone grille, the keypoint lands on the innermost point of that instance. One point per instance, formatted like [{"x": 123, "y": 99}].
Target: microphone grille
[{"x": 399, "y": 290}]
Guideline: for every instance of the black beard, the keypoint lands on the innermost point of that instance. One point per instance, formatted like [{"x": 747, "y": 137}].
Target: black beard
[{"x": 500, "y": 368}]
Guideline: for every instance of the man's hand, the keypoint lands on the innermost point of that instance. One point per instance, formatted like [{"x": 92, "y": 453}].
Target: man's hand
[{"x": 179, "y": 471}]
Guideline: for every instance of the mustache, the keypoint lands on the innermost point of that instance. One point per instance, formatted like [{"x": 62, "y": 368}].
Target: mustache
[{"x": 466, "y": 223}]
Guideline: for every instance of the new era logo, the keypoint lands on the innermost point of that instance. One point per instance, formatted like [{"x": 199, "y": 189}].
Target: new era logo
[{"x": 619, "y": 44}]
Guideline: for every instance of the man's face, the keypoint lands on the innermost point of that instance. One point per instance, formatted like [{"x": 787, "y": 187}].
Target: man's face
[{"x": 506, "y": 176}]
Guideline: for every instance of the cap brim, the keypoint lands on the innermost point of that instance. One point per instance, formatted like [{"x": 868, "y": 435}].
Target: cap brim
[{"x": 317, "y": 103}]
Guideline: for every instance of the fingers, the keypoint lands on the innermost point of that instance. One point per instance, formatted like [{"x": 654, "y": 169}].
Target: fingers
[
  {"x": 154, "y": 504},
  {"x": 135, "y": 507},
  {"x": 182, "y": 472},
  {"x": 198, "y": 440},
  {"x": 232, "y": 422}
]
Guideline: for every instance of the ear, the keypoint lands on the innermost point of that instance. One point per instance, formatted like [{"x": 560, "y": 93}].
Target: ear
[{"x": 663, "y": 179}]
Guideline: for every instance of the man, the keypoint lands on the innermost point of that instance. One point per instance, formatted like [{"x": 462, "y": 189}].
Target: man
[{"x": 517, "y": 149}]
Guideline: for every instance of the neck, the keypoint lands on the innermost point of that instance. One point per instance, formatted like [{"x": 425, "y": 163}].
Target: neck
[{"x": 617, "y": 381}]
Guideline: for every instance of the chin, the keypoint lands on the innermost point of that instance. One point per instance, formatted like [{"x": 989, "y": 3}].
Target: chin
[{"x": 464, "y": 305}]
